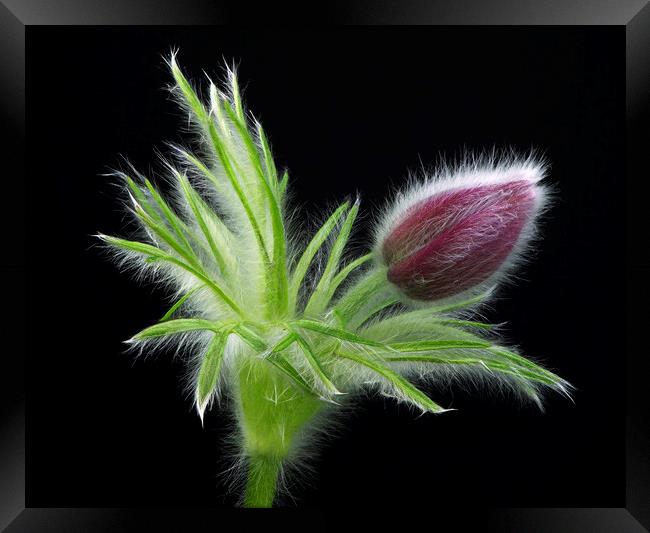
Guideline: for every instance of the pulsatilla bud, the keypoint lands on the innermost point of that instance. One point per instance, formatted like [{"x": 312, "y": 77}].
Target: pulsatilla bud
[{"x": 460, "y": 232}]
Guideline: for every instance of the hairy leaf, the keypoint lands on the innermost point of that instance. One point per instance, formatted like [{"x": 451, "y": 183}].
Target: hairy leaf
[
  {"x": 208, "y": 377},
  {"x": 179, "y": 325},
  {"x": 315, "y": 364},
  {"x": 401, "y": 385},
  {"x": 336, "y": 333},
  {"x": 321, "y": 295},
  {"x": 307, "y": 257}
]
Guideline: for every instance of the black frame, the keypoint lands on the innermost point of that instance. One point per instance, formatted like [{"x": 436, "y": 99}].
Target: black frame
[{"x": 634, "y": 15}]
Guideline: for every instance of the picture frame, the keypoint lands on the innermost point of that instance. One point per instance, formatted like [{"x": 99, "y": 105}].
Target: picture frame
[{"x": 635, "y": 516}]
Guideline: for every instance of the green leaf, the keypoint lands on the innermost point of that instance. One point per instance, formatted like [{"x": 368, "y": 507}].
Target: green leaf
[
  {"x": 278, "y": 286},
  {"x": 427, "y": 319},
  {"x": 517, "y": 359},
  {"x": 152, "y": 251},
  {"x": 162, "y": 214},
  {"x": 179, "y": 325},
  {"x": 220, "y": 146},
  {"x": 307, "y": 256},
  {"x": 493, "y": 357},
  {"x": 221, "y": 235},
  {"x": 427, "y": 346},
  {"x": 345, "y": 272},
  {"x": 280, "y": 362},
  {"x": 432, "y": 324},
  {"x": 137, "y": 192},
  {"x": 284, "y": 342},
  {"x": 489, "y": 364},
  {"x": 271, "y": 171},
  {"x": 464, "y": 323},
  {"x": 445, "y": 308},
  {"x": 227, "y": 163},
  {"x": 197, "y": 207},
  {"x": 321, "y": 295},
  {"x": 337, "y": 333},
  {"x": 216, "y": 108},
  {"x": 236, "y": 96},
  {"x": 198, "y": 165},
  {"x": 401, "y": 385},
  {"x": 315, "y": 364},
  {"x": 372, "y": 289},
  {"x": 177, "y": 305},
  {"x": 170, "y": 217},
  {"x": 187, "y": 254},
  {"x": 283, "y": 184},
  {"x": 208, "y": 377},
  {"x": 190, "y": 96},
  {"x": 364, "y": 314},
  {"x": 249, "y": 143},
  {"x": 134, "y": 246},
  {"x": 250, "y": 337},
  {"x": 423, "y": 322}
]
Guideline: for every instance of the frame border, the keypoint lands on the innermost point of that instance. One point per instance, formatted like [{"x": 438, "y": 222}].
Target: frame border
[{"x": 15, "y": 15}]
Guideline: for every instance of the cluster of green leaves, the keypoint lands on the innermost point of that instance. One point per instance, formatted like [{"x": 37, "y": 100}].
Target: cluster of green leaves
[
  {"x": 322, "y": 345},
  {"x": 220, "y": 238}
]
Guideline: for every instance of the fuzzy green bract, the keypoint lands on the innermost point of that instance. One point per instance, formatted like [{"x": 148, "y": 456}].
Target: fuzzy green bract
[{"x": 286, "y": 328}]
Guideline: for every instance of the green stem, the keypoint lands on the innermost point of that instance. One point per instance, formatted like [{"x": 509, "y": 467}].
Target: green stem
[
  {"x": 262, "y": 481},
  {"x": 272, "y": 415}
]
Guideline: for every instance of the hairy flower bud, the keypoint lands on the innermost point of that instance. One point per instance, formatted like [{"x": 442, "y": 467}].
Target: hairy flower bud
[{"x": 460, "y": 232}]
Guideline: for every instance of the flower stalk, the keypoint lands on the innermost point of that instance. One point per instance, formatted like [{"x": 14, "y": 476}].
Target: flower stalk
[
  {"x": 271, "y": 417},
  {"x": 262, "y": 481},
  {"x": 284, "y": 342}
]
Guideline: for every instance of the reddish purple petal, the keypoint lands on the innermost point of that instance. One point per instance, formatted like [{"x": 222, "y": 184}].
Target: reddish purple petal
[{"x": 457, "y": 239}]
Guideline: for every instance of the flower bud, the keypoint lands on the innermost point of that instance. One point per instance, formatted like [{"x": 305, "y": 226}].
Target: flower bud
[{"x": 461, "y": 232}]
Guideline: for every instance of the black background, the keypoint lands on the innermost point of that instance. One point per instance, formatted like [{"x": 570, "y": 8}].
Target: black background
[{"x": 346, "y": 110}]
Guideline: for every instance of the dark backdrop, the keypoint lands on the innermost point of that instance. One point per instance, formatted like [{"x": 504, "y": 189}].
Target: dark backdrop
[{"x": 348, "y": 109}]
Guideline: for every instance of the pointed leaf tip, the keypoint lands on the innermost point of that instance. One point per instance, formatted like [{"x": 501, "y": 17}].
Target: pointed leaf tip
[{"x": 210, "y": 370}]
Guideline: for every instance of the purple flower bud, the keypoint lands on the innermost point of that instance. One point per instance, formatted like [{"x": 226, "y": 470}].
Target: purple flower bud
[{"x": 461, "y": 232}]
